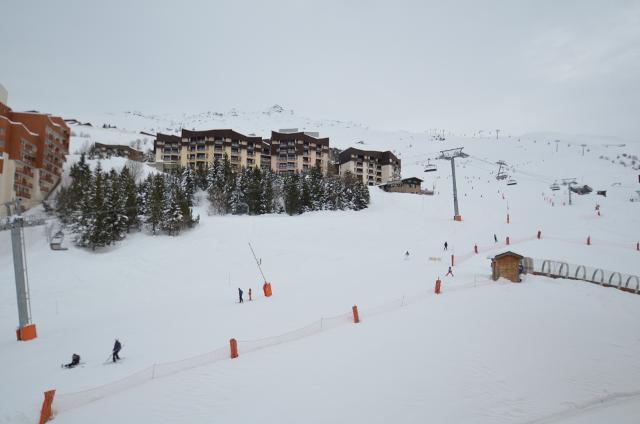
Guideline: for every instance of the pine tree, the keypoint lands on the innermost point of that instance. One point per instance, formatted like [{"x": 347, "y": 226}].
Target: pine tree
[
  {"x": 237, "y": 202},
  {"x": 305, "y": 194},
  {"x": 68, "y": 203},
  {"x": 155, "y": 203},
  {"x": 268, "y": 195},
  {"x": 116, "y": 220},
  {"x": 99, "y": 234},
  {"x": 292, "y": 205},
  {"x": 82, "y": 217},
  {"x": 316, "y": 189},
  {"x": 214, "y": 184},
  {"x": 131, "y": 202},
  {"x": 172, "y": 218},
  {"x": 229, "y": 184},
  {"x": 201, "y": 178},
  {"x": 188, "y": 184},
  {"x": 185, "y": 209}
]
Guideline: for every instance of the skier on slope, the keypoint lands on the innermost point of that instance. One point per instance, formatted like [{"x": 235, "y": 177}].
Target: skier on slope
[
  {"x": 446, "y": 245},
  {"x": 240, "y": 295},
  {"x": 249, "y": 293},
  {"x": 495, "y": 238},
  {"x": 75, "y": 360},
  {"x": 406, "y": 255},
  {"x": 116, "y": 349},
  {"x": 450, "y": 272}
]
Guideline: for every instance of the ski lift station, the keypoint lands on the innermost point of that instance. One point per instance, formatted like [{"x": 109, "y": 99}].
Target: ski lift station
[{"x": 405, "y": 185}]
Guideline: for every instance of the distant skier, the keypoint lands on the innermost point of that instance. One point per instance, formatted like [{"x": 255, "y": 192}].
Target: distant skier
[
  {"x": 495, "y": 238},
  {"x": 75, "y": 360},
  {"x": 446, "y": 245},
  {"x": 116, "y": 349},
  {"x": 249, "y": 294},
  {"x": 406, "y": 255},
  {"x": 450, "y": 272},
  {"x": 240, "y": 295}
]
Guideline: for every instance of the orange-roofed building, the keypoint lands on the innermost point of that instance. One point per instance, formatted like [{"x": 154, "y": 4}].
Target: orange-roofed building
[{"x": 33, "y": 148}]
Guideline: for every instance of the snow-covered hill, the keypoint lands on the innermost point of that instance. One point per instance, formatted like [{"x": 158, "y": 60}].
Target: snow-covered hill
[{"x": 487, "y": 352}]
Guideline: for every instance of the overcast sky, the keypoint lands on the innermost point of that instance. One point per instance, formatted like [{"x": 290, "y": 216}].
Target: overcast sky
[{"x": 569, "y": 66}]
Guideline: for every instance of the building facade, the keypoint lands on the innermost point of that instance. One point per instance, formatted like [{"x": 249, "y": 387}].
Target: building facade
[
  {"x": 373, "y": 167},
  {"x": 285, "y": 152},
  {"x": 405, "y": 185},
  {"x": 294, "y": 151},
  {"x": 33, "y": 149}
]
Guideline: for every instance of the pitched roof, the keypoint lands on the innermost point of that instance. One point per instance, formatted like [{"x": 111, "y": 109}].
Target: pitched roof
[
  {"x": 300, "y": 135},
  {"x": 384, "y": 157},
  {"x": 508, "y": 253},
  {"x": 222, "y": 133},
  {"x": 402, "y": 181}
]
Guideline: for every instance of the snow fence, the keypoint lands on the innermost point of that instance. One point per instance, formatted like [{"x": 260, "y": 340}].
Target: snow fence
[
  {"x": 68, "y": 401},
  {"x": 603, "y": 277}
]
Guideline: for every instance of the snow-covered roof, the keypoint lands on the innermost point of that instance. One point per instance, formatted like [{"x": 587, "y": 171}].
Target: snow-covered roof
[{"x": 20, "y": 124}]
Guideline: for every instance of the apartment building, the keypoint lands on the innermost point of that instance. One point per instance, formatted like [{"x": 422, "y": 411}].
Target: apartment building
[
  {"x": 294, "y": 151},
  {"x": 33, "y": 148},
  {"x": 286, "y": 151},
  {"x": 373, "y": 167},
  {"x": 166, "y": 149}
]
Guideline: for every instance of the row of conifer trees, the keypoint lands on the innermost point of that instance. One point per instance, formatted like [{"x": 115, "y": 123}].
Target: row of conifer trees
[{"x": 101, "y": 208}]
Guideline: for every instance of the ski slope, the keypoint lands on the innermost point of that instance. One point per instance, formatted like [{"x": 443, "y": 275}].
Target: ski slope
[{"x": 487, "y": 352}]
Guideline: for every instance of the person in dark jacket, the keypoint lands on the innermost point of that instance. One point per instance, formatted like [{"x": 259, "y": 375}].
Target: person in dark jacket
[
  {"x": 240, "y": 295},
  {"x": 75, "y": 360},
  {"x": 446, "y": 245},
  {"x": 116, "y": 349},
  {"x": 495, "y": 238},
  {"x": 450, "y": 272}
]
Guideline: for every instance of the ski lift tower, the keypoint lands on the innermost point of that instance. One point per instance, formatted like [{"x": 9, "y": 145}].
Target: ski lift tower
[
  {"x": 451, "y": 155},
  {"x": 26, "y": 329},
  {"x": 568, "y": 182},
  {"x": 500, "y": 175}
]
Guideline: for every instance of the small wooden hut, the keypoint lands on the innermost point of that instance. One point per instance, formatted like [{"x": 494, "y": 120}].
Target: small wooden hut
[{"x": 506, "y": 265}]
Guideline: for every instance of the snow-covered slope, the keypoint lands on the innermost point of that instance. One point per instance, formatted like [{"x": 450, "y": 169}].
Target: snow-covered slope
[{"x": 480, "y": 352}]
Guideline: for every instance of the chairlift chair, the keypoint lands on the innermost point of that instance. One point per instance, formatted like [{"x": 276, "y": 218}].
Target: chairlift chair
[
  {"x": 430, "y": 167},
  {"x": 554, "y": 187},
  {"x": 56, "y": 241},
  {"x": 511, "y": 181}
]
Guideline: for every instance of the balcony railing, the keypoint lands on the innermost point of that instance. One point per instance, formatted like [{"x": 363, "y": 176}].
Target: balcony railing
[{"x": 24, "y": 171}]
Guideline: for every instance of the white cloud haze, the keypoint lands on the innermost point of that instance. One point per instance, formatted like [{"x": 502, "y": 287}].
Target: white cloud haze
[{"x": 570, "y": 66}]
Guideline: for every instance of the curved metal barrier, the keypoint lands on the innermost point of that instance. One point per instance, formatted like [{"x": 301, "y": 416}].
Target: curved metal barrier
[
  {"x": 619, "y": 278},
  {"x": 584, "y": 272},
  {"x": 637, "y": 283},
  {"x": 560, "y": 269},
  {"x": 593, "y": 277}
]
